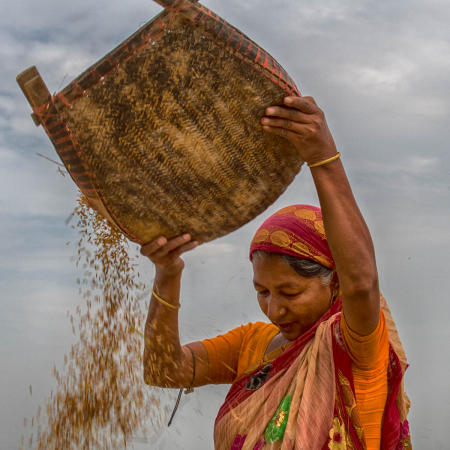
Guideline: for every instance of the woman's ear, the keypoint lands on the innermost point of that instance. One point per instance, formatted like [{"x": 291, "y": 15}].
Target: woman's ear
[{"x": 334, "y": 286}]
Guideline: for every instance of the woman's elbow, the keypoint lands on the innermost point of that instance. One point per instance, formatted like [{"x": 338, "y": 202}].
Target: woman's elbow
[
  {"x": 151, "y": 379},
  {"x": 361, "y": 286}
]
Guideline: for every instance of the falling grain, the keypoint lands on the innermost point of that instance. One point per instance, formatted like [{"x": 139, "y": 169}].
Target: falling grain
[{"x": 101, "y": 400}]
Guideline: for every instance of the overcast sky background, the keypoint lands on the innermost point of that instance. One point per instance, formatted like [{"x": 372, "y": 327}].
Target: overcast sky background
[{"x": 379, "y": 69}]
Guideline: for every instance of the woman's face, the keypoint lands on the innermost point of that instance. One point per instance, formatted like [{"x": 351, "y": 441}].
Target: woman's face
[{"x": 292, "y": 302}]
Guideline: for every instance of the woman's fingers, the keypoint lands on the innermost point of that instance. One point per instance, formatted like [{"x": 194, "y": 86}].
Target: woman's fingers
[
  {"x": 295, "y": 117},
  {"x": 173, "y": 248},
  {"x": 291, "y": 114},
  {"x": 153, "y": 246},
  {"x": 306, "y": 105},
  {"x": 184, "y": 248},
  {"x": 173, "y": 243},
  {"x": 283, "y": 132},
  {"x": 167, "y": 259},
  {"x": 160, "y": 246},
  {"x": 285, "y": 124},
  {"x": 165, "y": 254},
  {"x": 303, "y": 123}
]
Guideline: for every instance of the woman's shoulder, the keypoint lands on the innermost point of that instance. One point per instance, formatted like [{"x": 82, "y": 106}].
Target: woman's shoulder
[
  {"x": 243, "y": 333},
  {"x": 259, "y": 330},
  {"x": 254, "y": 345},
  {"x": 260, "y": 326},
  {"x": 370, "y": 351},
  {"x": 258, "y": 336}
]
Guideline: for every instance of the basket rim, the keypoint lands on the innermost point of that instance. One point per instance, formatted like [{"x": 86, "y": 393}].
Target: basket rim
[
  {"x": 197, "y": 15},
  {"x": 51, "y": 114}
]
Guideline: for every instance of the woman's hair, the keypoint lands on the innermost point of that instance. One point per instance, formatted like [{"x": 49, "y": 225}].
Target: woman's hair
[{"x": 304, "y": 267}]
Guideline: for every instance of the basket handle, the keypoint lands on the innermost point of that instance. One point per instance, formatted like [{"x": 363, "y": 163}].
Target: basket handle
[{"x": 35, "y": 90}]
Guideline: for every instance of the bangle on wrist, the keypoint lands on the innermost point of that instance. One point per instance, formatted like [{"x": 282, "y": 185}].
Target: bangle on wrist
[
  {"x": 325, "y": 161},
  {"x": 164, "y": 302}
]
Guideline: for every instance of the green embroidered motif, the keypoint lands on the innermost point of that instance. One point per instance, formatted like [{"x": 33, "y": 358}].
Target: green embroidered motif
[{"x": 277, "y": 426}]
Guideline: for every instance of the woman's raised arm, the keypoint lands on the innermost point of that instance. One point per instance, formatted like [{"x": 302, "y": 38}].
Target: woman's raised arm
[
  {"x": 166, "y": 362},
  {"x": 303, "y": 123}
]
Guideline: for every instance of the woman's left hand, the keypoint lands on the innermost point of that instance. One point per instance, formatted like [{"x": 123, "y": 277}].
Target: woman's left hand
[{"x": 303, "y": 123}]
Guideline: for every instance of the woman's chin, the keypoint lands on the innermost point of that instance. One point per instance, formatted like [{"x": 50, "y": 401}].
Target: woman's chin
[{"x": 290, "y": 332}]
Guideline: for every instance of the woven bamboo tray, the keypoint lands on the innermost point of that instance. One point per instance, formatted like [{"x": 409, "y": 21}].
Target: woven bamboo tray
[{"x": 163, "y": 134}]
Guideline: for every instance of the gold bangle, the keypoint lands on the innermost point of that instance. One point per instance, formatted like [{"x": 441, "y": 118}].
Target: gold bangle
[
  {"x": 325, "y": 161},
  {"x": 160, "y": 300}
]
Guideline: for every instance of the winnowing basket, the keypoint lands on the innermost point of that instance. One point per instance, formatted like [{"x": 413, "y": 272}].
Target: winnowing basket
[{"x": 163, "y": 134}]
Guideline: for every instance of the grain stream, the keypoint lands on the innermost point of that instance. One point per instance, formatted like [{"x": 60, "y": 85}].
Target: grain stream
[{"x": 100, "y": 400}]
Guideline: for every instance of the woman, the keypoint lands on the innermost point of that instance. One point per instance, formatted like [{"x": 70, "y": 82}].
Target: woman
[{"x": 326, "y": 372}]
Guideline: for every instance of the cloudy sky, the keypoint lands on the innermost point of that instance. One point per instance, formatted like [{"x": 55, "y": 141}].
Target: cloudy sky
[{"x": 379, "y": 69}]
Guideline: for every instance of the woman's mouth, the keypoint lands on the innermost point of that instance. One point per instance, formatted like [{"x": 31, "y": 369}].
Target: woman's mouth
[{"x": 287, "y": 327}]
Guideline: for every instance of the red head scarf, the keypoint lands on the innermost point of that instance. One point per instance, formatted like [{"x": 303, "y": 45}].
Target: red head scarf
[{"x": 296, "y": 230}]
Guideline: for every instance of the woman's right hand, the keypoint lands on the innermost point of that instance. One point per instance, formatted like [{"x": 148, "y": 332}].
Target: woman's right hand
[
  {"x": 166, "y": 254},
  {"x": 166, "y": 362},
  {"x": 303, "y": 123}
]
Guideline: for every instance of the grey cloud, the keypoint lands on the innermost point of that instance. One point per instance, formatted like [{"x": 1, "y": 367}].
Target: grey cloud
[
  {"x": 380, "y": 71},
  {"x": 33, "y": 185}
]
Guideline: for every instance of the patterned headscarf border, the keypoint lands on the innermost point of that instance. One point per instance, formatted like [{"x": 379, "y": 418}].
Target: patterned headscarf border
[{"x": 295, "y": 230}]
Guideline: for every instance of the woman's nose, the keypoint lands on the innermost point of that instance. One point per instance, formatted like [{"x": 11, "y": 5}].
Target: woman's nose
[{"x": 275, "y": 308}]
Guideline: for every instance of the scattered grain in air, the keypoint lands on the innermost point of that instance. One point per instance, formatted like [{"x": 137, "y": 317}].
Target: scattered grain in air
[{"x": 101, "y": 400}]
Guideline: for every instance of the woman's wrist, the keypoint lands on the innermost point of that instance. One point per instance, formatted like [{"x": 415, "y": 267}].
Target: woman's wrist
[
  {"x": 324, "y": 161},
  {"x": 321, "y": 153},
  {"x": 166, "y": 274},
  {"x": 167, "y": 303},
  {"x": 166, "y": 287}
]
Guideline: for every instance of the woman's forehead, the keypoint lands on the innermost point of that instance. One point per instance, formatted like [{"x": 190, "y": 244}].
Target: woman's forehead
[
  {"x": 282, "y": 285},
  {"x": 274, "y": 270}
]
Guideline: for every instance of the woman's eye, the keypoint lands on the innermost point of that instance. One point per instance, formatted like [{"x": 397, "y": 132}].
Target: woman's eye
[
  {"x": 291, "y": 295},
  {"x": 263, "y": 293}
]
